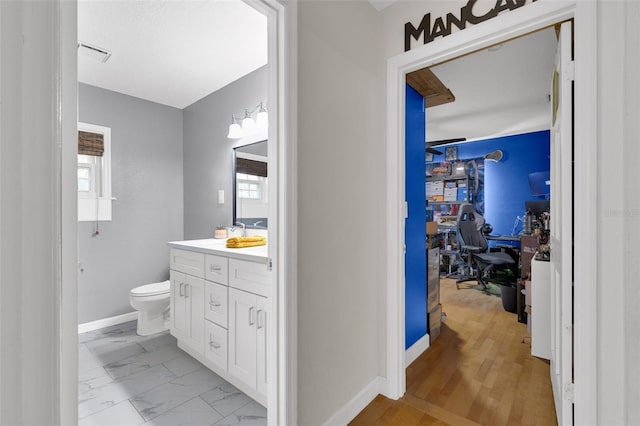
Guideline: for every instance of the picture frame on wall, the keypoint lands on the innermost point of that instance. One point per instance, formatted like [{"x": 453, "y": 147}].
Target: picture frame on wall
[
  {"x": 451, "y": 153},
  {"x": 429, "y": 156}
]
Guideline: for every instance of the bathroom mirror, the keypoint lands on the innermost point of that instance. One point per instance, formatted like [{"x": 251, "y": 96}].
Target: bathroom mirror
[{"x": 250, "y": 204}]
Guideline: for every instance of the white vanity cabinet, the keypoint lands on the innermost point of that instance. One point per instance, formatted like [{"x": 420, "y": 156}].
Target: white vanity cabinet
[
  {"x": 248, "y": 310},
  {"x": 187, "y": 308},
  {"x": 247, "y": 338},
  {"x": 216, "y": 301},
  {"x": 219, "y": 310},
  {"x": 261, "y": 345}
]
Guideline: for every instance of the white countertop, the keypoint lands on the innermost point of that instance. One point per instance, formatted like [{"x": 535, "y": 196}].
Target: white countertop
[{"x": 219, "y": 247}]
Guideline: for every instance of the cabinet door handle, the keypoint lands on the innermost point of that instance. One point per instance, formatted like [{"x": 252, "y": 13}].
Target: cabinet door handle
[
  {"x": 214, "y": 304},
  {"x": 186, "y": 290},
  {"x": 215, "y": 268},
  {"x": 181, "y": 290},
  {"x": 251, "y": 316},
  {"x": 260, "y": 314},
  {"x": 214, "y": 345}
]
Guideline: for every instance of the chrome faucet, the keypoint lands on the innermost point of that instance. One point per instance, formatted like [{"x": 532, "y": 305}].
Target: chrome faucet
[
  {"x": 244, "y": 228},
  {"x": 257, "y": 223}
]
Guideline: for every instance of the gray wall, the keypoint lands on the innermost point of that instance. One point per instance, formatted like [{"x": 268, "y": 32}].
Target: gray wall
[
  {"x": 341, "y": 193},
  {"x": 146, "y": 157},
  {"x": 208, "y": 155}
]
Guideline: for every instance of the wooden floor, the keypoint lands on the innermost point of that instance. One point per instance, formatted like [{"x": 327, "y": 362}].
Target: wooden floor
[{"x": 477, "y": 372}]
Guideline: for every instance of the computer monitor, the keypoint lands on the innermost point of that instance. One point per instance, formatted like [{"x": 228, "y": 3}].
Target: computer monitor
[
  {"x": 540, "y": 183},
  {"x": 537, "y": 207}
]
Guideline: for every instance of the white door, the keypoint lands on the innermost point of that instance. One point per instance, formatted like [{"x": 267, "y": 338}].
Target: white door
[
  {"x": 179, "y": 314},
  {"x": 194, "y": 300},
  {"x": 261, "y": 344},
  {"x": 242, "y": 336},
  {"x": 562, "y": 228}
]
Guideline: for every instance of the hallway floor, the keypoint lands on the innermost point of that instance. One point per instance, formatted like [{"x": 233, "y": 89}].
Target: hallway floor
[
  {"x": 477, "y": 372},
  {"x": 129, "y": 380}
]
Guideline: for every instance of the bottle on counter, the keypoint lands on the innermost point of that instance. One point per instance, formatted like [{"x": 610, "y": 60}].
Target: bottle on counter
[{"x": 220, "y": 232}]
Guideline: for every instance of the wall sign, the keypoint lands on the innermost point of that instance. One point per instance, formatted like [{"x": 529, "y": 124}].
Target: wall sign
[{"x": 441, "y": 27}]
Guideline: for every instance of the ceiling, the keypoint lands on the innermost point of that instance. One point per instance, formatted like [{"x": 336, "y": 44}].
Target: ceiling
[
  {"x": 498, "y": 92},
  {"x": 381, "y": 4},
  {"x": 173, "y": 52}
]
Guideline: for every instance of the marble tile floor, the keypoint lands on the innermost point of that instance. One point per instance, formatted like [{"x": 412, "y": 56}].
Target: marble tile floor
[{"x": 130, "y": 380}]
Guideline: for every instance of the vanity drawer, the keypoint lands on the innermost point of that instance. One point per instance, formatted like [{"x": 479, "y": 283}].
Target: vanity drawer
[
  {"x": 189, "y": 262},
  {"x": 216, "y": 303},
  {"x": 216, "y": 269},
  {"x": 253, "y": 277},
  {"x": 216, "y": 344}
]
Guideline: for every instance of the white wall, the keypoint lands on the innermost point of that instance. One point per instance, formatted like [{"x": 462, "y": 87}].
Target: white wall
[
  {"x": 31, "y": 216},
  {"x": 341, "y": 203},
  {"x": 618, "y": 214},
  {"x": 630, "y": 293}
]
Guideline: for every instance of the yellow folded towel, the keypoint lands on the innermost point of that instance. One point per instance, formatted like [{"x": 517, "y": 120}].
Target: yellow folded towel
[
  {"x": 240, "y": 242},
  {"x": 251, "y": 239}
]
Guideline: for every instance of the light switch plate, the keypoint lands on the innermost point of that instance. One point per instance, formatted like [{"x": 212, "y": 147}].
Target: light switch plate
[{"x": 220, "y": 196}]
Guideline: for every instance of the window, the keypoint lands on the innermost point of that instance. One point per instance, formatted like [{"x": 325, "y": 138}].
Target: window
[
  {"x": 94, "y": 172},
  {"x": 250, "y": 187},
  {"x": 86, "y": 177}
]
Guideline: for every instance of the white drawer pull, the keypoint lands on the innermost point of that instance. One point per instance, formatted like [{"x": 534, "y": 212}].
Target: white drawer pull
[
  {"x": 214, "y": 345},
  {"x": 214, "y": 304},
  {"x": 260, "y": 312},
  {"x": 216, "y": 268},
  {"x": 251, "y": 317}
]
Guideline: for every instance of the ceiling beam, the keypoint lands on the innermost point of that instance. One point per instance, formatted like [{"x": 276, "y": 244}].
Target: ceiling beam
[{"x": 430, "y": 87}]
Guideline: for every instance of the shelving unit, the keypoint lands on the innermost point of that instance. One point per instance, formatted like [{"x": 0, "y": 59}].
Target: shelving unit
[
  {"x": 444, "y": 194},
  {"x": 448, "y": 185}
]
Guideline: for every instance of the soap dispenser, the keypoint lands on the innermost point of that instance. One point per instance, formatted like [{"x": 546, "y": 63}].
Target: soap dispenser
[{"x": 220, "y": 232}]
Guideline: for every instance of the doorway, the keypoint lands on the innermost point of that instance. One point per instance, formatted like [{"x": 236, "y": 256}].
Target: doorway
[
  {"x": 470, "y": 114},
  {"x": 280, "y": 25},
  {"x": 479, "y": 338},
  {"x": 493, "y": 32}
]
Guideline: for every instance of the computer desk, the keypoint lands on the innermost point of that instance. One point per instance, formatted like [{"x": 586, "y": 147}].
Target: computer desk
[{"x": 510, "y": 238}]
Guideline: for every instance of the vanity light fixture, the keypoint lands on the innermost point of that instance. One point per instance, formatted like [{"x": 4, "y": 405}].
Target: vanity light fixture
[
  {"x": 262, "y": 118},
  {"x": 249, "y": 125},
  {"x": 235, "y": 131}
]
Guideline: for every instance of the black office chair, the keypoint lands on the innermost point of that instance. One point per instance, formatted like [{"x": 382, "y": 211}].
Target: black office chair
[{"x": 499, "y": 267}]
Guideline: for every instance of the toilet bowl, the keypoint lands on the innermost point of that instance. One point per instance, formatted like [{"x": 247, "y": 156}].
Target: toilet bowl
[{"x": 152, "y": 303}]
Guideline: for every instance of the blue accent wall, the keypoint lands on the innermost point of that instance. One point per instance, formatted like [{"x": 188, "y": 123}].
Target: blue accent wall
[
  {"x": 506, "y": 183},
  {"x": 415, "y": 231}
]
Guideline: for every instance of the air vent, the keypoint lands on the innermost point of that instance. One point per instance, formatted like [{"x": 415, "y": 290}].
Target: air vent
[{"x": 93, "y": 52}]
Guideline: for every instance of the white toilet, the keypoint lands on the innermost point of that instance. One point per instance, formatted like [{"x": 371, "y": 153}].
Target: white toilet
[{"x": 152, "y": 303}]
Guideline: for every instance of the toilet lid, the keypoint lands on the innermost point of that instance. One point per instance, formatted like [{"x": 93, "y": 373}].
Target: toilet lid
[{"x": 152, "y": 289}]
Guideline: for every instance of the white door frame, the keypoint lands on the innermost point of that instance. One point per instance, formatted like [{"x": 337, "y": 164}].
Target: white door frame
[
  {"x": 282, "y": 340},
  {"x": 527, "y": 19},
  {"x": 282, "y": 35}
]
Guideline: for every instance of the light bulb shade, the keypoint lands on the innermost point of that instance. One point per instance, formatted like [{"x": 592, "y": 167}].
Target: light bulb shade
[
  {"x": 262, "y": 120},
  {"x": 248, "y": 125},
  {"x": 235, "y": 131}
]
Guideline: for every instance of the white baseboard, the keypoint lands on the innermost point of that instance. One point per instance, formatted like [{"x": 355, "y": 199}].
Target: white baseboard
[
  {"x": 107, "y": 322},
  {"x": 416, "y": 350},
  {"x": 352, "y": 408}
]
